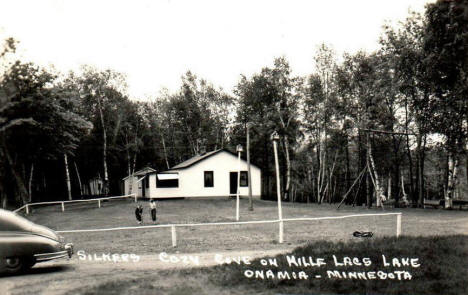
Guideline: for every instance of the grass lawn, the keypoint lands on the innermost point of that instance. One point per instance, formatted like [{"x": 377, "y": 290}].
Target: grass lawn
[
  {"x": 438, "y": 238},
  {"x": 415, "y": 222}
]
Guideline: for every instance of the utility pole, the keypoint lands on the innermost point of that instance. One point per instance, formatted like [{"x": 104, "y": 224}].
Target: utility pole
[
  {"x": 239, "y": 151},
  {"x": 248, "y": 168},
  {"x": 275, "y": 139}
]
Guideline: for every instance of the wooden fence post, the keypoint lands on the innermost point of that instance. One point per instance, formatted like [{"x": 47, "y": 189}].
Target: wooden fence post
[
  {"x": 281, "y": 228},
  {"x": 27, "y": 209},
  {"x": 63, "y": 207},
  {"x": 398, "y": 227},
  {"x": 99, "y": 203},
  {"x": 174, "y": 236}
]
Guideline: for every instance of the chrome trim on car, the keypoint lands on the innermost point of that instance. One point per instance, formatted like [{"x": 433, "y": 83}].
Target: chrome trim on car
[{"x": 55, "y": 255}]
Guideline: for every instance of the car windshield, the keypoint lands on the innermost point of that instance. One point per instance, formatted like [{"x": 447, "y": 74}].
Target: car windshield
[{"x": 10, "y": 221}]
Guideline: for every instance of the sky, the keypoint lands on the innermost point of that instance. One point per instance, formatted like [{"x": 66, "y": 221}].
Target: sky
[{"x": 155, "y": 42}]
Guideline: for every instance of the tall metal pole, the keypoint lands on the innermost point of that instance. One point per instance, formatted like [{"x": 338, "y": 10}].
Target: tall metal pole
[
  {"x": 248, "y": 168},
  {"x": 275, "y": 138},
  {"x": 239, "y": 150}
]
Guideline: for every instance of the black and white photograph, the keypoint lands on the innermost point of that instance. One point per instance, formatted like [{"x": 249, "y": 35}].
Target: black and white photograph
[{"x": 217, "y": 147}]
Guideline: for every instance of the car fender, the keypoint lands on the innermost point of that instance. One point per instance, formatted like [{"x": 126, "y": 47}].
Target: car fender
[{"x": 26, "y": 244}]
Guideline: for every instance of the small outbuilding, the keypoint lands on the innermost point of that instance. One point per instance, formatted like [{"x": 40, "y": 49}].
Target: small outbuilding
[
  {"x": 212, "y": 174},
  {"x": 136, "y": 183}
]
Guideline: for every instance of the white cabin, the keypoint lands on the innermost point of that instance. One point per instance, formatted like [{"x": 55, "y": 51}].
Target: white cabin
[{"x": 213, "y": 174}]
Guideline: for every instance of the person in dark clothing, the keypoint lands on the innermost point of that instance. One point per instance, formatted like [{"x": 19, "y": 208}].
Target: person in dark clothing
[
  {"x": 139, "y": 214},
  {"x": 153, "y": 210}
]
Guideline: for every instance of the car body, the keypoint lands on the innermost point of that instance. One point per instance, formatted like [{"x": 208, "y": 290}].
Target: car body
[{"x": 24, "y": 243}]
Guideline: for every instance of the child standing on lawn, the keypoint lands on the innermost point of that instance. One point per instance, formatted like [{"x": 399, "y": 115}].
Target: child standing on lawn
[
  {"x": 153, "y": 210},
  {"x": 139, "y": 213}
]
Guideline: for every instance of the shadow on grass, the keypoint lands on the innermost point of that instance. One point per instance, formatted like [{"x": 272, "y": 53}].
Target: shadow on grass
[{"x": 40, "y": 270}]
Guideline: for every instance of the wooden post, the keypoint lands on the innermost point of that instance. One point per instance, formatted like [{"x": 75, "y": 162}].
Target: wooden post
[
  {"x": 281, "y": 228},
  {"x": 239, "y": 151},
  {"x": 63, "y": 207},
  {"x": 398, "y": 227},
  {"x": 275, "y": 138},
  {"x": 249, "y": 180},
  {"x": 135, "y": 198},
  {"x": 27, "y": 209},
  {"x": 174, "y": 236},
  {"x": 238, "y": 189},
  {"x": 99, "y": 203}
]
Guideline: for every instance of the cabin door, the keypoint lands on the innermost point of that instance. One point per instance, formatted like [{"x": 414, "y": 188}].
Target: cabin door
[
  {"x": 143, "y": 187},
  {"x": 233, "y": 183}
]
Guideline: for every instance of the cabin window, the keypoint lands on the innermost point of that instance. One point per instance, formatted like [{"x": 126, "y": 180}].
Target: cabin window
[
  {"x": 209, "y": 180},
  {"x": 167, "y": 183},
  {"x": 244, "y": 178},
  {"x": 167, "y": 180}
]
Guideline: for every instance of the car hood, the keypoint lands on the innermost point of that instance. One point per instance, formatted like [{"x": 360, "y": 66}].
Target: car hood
[
  {"x": 10, "y": 221},
  {"x": 45, "y": 231}
]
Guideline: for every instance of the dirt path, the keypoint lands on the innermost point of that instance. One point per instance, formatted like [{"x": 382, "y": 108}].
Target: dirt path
[{"x": 69, "y": 276}]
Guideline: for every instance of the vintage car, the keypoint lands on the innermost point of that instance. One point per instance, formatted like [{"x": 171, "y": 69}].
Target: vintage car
[{"x": 24, "y": 243}]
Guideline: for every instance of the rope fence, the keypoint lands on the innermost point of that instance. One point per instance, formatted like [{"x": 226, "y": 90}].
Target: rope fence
[
  {"x": 62, "y": 203},
  {"x": 279, "y": 221}
]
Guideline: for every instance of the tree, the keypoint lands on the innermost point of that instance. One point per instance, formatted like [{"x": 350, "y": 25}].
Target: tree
[
  {"x": 198, "y": 116},
  {"x": 102, "y": 94},
  {"x": 405, "y": 46},
  {"x": 318, "y": 113},
  {"x": 270, "y": 101},
  {"x": 51, "y": 130},
  {"x": 446, "y": 60}
]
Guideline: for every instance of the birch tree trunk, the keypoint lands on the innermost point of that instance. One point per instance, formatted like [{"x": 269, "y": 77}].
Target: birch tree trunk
[
  {"x": 165, "y": 151},
  {"x": 408, "y": 152},
  {"x": 136, "y": 150},
  {"x": 368, "y": 175},
  {"x": 324, "y": 169},
  {"x": 129, "y": 163},
  {"x": 67, "y": 176},
  {"x": 134, "y": 162},
  {"x": 362, "y": 164},
  {"x": 23, "y": 193},
  {"x": 389, "y": 188},
  {"x": 373, "y": 171},
  {"x": 347, "y": 171},
  {"x": 104, "y": 149},
  {"x": 319, "y": 178},
  {"x": 452, "y": 179},
  {"x": 420, "y": 199},
  {"x": 79, "y": 178},
  {"x": 30, "y": 182},
  {"x": 378, "y": 188},
  {"x": 330, "y": 179}
]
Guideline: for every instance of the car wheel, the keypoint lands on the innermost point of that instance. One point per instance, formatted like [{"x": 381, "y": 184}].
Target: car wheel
[
  {"x": 18, "y": 264},
  {"x": 13, "y": 264}
]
